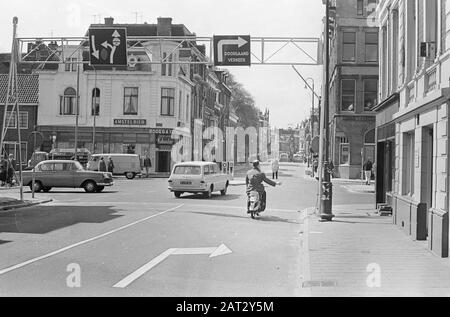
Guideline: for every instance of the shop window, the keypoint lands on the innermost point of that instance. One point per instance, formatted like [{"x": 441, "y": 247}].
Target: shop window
[
  {"x": 408, "y": 163},
  {"x": 67, "y": 102},
  {"x": 344, "y": 157}
]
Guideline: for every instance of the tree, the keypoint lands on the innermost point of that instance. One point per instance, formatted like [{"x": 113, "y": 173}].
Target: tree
[{"x": 244, "y": 104}]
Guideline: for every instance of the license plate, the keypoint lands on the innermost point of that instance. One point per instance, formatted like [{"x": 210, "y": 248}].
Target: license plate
[{"x": 186, "y": 183}]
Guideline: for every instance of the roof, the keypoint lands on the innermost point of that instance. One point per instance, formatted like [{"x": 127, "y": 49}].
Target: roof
[
  {"x": 28, "y": 88},
  {"x": 137, "y": 30}
]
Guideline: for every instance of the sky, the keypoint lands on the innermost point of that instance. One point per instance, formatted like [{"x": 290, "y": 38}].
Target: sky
[{"x": 277, "y": 88}]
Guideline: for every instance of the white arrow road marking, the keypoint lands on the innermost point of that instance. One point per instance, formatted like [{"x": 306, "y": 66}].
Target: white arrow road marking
[
  {"x": 96, "y": 53},
  {"x": 239, "y": 42},
  {"x": 20, "y": 265},
  {"x": 212, "y": 252}
]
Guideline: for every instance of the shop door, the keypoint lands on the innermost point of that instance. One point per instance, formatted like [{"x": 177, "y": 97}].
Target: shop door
[{"x": 163, "y": 160}]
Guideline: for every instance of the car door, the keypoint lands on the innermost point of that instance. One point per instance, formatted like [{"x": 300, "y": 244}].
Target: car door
[
  {"x": 44, "y": 173},
  {"x": 63, "y": 175}
]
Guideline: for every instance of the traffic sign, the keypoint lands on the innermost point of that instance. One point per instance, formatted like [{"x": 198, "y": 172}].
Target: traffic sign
[
  {"x": 108, "y": 47},
  {"x": 232, "y": 50}
]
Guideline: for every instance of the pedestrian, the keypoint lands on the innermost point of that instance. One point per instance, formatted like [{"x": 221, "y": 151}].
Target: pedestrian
[
  {"x": 102, "y": 165},
  {"x": 368, "y": 166},
  {"x": 315, "y": 166},
  {"x": 275, "y": 168},
  {"x": 110, "y": 165},
  {"x": 3, "y": 170},
  {"x": 147, "y": 165},
  {"x": 11, "y": 169}
]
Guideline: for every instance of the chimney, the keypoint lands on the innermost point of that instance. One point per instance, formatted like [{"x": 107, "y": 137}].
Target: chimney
[
  {"x": 109, "y": 21},
  {"x": 164, "y": 27}
]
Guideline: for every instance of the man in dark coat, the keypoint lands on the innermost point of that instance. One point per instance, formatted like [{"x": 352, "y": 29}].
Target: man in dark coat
[
  {"x": 11, "y": 169},
  {"x": 254, "y": 181},
  {"x": 102, "y": 165},
  {"x": 110, "y": 165},
  {"x": 147, "y": 165}
]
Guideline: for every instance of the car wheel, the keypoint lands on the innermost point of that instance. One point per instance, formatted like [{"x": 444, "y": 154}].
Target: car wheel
[
  {"x": 37, "y": 187},
  {"x": 224, "y": 192},
  {"x": 130, "y": 175},
  {"x": 208, "y": 194},
  {"x": 178, "y": 194},
  {"x": 100, "y": 189},
  {"x": 90, "y": 187},
  {"x": 47, "y": 189}
]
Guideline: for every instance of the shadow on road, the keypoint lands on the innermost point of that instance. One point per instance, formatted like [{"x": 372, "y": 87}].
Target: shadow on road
[
  {"x": 81, "y": 192},
  {"x": 276, "y": 219},
  {"x": 45, "y": 219},
  {"x": 4, "y": 242},
  {"x": 214, "y": 214},
  {"x": 216, "y": 197},
  {"x": 245, "y": 216}
]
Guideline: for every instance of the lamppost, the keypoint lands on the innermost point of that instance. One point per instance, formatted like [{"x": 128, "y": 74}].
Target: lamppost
[
  {"x": 326, "y": 201},
  {"x": 312, "y": 116}
]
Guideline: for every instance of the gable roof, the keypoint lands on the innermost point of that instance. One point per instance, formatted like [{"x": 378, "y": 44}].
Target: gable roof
[{"x": 28, "y": 88}]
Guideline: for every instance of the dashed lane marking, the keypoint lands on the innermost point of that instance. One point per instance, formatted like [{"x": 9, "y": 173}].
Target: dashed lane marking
[{"x": 43, "y": 257}]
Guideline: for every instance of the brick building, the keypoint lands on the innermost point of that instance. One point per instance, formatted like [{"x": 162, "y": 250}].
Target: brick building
[{"x": 353, "y": 86}]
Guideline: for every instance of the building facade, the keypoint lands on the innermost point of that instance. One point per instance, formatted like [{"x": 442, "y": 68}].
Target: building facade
[
  {"x": 132, "y": 109},
  {"x": 412, "y": 118},
  {"x": 353, "y": 86}
]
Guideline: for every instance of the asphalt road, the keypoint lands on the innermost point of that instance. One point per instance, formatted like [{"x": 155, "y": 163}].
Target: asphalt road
[{"x": 137, "y": 239}]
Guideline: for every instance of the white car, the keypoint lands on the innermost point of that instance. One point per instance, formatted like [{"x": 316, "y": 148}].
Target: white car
[{"x": 198, "y": 178}]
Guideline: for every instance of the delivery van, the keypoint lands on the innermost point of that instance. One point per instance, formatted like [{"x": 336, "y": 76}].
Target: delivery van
[{"x": 128, "y": 165}]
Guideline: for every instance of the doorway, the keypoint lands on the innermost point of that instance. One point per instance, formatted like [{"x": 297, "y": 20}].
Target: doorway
[
  {"x": 427, "y": 169},
  {"x": 163, "y": 161}
]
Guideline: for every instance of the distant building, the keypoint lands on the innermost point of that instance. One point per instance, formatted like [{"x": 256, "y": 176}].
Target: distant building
[{"x": 353, "y": 87}]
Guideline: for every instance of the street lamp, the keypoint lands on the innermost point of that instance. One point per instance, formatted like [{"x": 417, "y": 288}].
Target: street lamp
[{"x": 326, "y": 201}]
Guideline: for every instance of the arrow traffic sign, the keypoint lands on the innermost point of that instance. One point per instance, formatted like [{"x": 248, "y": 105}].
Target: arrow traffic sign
[
  {"x": 232, "y": 50},
  {"x": 212, "y": 252},
  {"x": 108, "y": 47}
]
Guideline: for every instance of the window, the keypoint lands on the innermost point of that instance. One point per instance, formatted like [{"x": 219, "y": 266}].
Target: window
[
  {"x": 163, "y": 65},
  {"x": 67, "y": 102},
  {"x": 408, "y": 164},
  {"x": 180, "y": 109},
  {"x": 371, "y": 6},
  {"x": 360, "y": 7},
  {"x": 187, "y": 108},
  {"x": 348, "y": 95},
  {"x": 23, "y": 120},
  {"x": 372, "y": 47},
  {"x": 130, "y": 103},
  {"x": 63, "y": 167},
  {"x": 71, "y": 65},
  {"x": 46, "y": 167},
  {"x": 344, "y": 157},
  {"x": 349, "y": 49},
  {"x": 167, "y": 101},
  {"x": 95, "y": 102},
  {"x": 370, "y": 94}
]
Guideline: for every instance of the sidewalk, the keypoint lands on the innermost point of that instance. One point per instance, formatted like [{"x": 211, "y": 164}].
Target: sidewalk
[
  {"x": 9, "y": 200},
  {"x": 345, "y": 255}
]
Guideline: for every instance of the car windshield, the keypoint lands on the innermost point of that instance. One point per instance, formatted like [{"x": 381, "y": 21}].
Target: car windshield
[
  {"x": 187, "y": 170},
  {"x": 78, "y": 166}
]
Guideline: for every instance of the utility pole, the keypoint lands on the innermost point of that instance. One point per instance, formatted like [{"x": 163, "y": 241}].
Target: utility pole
[
  {"x": 77, "y": 112},
  {"x": 326, "y": 201}
]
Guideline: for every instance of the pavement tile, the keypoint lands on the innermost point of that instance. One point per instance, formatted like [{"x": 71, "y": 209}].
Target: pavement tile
[{"x": 342, "y": 251}]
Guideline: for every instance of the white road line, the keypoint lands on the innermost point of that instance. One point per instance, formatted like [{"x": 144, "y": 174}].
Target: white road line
[{"x": 18, "y": 266}]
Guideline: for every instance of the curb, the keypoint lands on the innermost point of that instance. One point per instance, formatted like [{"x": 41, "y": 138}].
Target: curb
[{"x": 24, "y": 205}]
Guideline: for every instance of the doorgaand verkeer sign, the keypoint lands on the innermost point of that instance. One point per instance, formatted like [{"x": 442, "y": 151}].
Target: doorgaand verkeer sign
[
  {"x": 108, "y": 47},
  {"x": 232, "y": 50}
]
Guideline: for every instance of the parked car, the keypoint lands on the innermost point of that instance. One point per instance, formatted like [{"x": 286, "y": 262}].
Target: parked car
[
  {"x": 66, "y": 174},
  {"x": 69, "y": 154},
  {"x": 198, "y": 178},
  {"x": 124, "y": 164},
  {"x": 284, "y": 157},
  {"x": 298, "y": 158}
]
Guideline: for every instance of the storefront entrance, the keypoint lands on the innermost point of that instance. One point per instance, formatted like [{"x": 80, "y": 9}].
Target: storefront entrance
[{"x": 163, "y": 162}]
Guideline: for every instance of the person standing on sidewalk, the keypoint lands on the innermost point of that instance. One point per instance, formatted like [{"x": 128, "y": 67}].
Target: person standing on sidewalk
[
  {"x": 11, "y": 169},
  {"x": 3, "y": 170},
  {"x": 102, "y": 165},
  {"x": 275, "y": 168},
  {"x": 368, "y": 166},
  {"x": 110, "y": 165},
  {"x": 147, "y": 165}
]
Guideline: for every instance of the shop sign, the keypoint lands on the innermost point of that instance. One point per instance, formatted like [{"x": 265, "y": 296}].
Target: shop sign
[{"x": 139, "y": 122}]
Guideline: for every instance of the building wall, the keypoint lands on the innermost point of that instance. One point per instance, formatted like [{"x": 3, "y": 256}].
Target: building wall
[{"x": 423, "y": 84}]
